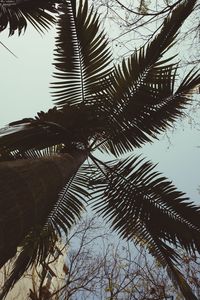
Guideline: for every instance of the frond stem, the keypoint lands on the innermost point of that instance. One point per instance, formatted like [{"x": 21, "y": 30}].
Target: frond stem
[
  {"x": 99, "y": 144},
  {"x": 96, "y": 161},
  {"x": 107, "y": 167}
]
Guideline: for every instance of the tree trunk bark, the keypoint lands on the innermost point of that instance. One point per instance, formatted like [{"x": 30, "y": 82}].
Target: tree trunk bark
[{"x": 28, "y": 191}]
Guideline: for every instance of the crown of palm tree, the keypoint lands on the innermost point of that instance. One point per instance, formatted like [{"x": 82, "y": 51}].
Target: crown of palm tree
[{"x": 97, "y": 106}]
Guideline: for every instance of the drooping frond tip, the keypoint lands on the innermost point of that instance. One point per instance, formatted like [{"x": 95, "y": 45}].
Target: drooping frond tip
[{"x": 145, "y": 207}]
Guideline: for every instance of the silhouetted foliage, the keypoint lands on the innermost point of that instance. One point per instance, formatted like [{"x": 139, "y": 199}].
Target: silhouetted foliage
[{"x": 98, "y": 105}]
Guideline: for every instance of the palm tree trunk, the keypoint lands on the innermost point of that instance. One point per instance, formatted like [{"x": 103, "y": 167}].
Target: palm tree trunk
[{"x": 28, "y": 190}]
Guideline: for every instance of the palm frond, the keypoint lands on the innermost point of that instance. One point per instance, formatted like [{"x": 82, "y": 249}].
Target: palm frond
[
  {"x": 34, "y": 250},
  {"x": 142, "y": 205},
  {"x": 10, "y": 155},
  {"x": 45, "y": 152},
  {"x": 32, "y": 134},
  {"x": 40, "y": 180},
  {"x": 16, "y": 14},
  {"x": 180, "y": 283},
  {"x": 30, "y": 137},
  {"x": 70, "y": 204},
  {"x": 149, "y": 110},
  {"x": 81, "y": 56},
  {"x": 130, "y": 73},
  {"x": 71, "y": 126},
  {"x": 26, "y": 138},
  {"x": 173, "y": 271},
  {"x": 66, "y": 210},
  {"x": 50, "y": 209},
  {"x": 134, "y": 184},
  {"x": 140, "y": 101}
]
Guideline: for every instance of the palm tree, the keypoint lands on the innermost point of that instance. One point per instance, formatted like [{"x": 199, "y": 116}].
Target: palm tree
[{"x": 49, "y": 171}]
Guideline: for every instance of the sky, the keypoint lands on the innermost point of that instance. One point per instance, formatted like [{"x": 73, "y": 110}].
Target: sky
[{"x": 25, "y": 90}]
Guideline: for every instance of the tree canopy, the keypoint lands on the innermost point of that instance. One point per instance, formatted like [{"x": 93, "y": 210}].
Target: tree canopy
[{"x": 114, "y": 108}]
